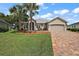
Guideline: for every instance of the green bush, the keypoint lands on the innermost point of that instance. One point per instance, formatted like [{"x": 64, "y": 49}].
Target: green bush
[
  {"x": 3, "y": 29},
  {"x": 73, "y": 29},
  {"x": 68, "y": 28}
]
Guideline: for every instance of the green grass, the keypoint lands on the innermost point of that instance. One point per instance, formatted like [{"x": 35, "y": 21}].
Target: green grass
[{"x": 16, "y": 44}]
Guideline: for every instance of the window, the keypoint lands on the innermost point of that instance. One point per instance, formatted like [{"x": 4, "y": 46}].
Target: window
[
  {"x": 41, "y": 24},
  {"x": 73, "y": 26},
  {"x": 21, "y": 24}
]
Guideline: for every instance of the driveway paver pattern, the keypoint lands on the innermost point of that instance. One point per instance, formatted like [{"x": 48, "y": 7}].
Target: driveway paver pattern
[{"x": 65, "y": 43}]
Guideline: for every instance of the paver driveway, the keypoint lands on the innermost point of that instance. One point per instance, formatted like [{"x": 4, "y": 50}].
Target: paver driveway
[{"x": 65, "y": 43}]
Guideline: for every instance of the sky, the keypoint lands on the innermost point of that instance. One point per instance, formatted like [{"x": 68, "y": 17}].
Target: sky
[{"x": 48, "y": 11}]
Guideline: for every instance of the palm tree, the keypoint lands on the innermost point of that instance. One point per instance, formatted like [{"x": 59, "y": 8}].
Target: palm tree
[
  {"x": 2, "y": 15},
  {"x": 19, "y": 13},
  {"x": 32, "y": 10}
]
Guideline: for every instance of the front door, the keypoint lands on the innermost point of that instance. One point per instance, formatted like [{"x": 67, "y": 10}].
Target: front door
[{"x": 32, "y": 26}]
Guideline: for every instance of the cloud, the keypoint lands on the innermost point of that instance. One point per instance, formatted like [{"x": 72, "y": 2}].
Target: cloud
[
  {"x": 56, "y": 12},
  {"x": 42, "y": 5},
  {"x": 36, "y": 17},
  {"x": 70, "y": 19},
  {"x": 61, "y": 12},
  {"x": 48, "y": 15},
  {"x": 4, "y": 10},
  {"x": 76, "y": 10},
  {"x": 64, "y": 11}
]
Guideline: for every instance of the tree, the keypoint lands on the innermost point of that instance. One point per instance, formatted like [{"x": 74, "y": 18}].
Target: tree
[
  {"x": 2, "y": 15},
  {"x": 18, "y": 13},
  {"x": 5, "y": 17},
  {"x": 32, "y": 10}
]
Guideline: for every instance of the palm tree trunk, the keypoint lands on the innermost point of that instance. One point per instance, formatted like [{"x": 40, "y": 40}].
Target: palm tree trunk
[
  {"x": 31, "y": 17},
  {"x": 30, "y": 21}
]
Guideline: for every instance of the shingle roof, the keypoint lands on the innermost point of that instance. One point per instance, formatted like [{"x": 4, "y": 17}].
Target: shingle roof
[
  {"x": 42, "y": 20},
  {"x": 75, "y": 23},
  {"x": 48, "y": 21}
]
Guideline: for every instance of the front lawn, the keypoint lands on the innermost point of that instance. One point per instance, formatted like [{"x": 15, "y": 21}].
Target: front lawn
[{"x": 18, "y": 44}]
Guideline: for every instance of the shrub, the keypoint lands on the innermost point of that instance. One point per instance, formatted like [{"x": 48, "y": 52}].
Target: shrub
[
  {"x": 3, "y": 29},
  {"x": 73, "y": 29},
  {"x": 68, "y": 28}
]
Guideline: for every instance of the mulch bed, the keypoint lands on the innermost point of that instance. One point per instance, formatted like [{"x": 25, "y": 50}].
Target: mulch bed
[{"x": 36, "y": 32}]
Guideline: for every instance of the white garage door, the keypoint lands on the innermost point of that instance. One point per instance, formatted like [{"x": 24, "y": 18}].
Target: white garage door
[{"x": 57, "y": 28}]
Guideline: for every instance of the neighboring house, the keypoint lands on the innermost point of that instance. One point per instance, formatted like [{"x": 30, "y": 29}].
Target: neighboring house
[
  {"x": 56, "y": 24},
  {"x": 4, "y": 25},
  {"x": 74, "y": 25}
]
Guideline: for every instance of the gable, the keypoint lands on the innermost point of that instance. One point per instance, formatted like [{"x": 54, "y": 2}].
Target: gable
[{"x": 57, "y": 21}]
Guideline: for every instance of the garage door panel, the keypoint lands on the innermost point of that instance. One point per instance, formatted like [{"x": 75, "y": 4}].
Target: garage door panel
[{"x": 56, "y": 28}]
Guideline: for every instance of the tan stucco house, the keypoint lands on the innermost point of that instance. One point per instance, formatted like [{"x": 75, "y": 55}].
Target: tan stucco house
[
  {"x": 39, "y": 24},
  {"x": 56, "y": 24}
]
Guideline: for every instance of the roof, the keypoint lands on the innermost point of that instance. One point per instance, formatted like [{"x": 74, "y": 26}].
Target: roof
[
  {"x": 1, "y": 20},
  {"x": 59, "y": 19},
  {"x": 42, "y": 20},
  {"x": 32, "y": 20},
  {"x": 74, "y": 23}
]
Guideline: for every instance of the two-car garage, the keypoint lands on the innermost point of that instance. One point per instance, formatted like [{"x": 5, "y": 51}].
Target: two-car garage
[
  {"x": 57, "y": 27},
  {"x": 57, "y": 24}
]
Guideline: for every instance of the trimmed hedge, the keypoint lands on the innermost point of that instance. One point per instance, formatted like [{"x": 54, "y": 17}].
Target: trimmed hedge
[{"x": 73, "y": 29}]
